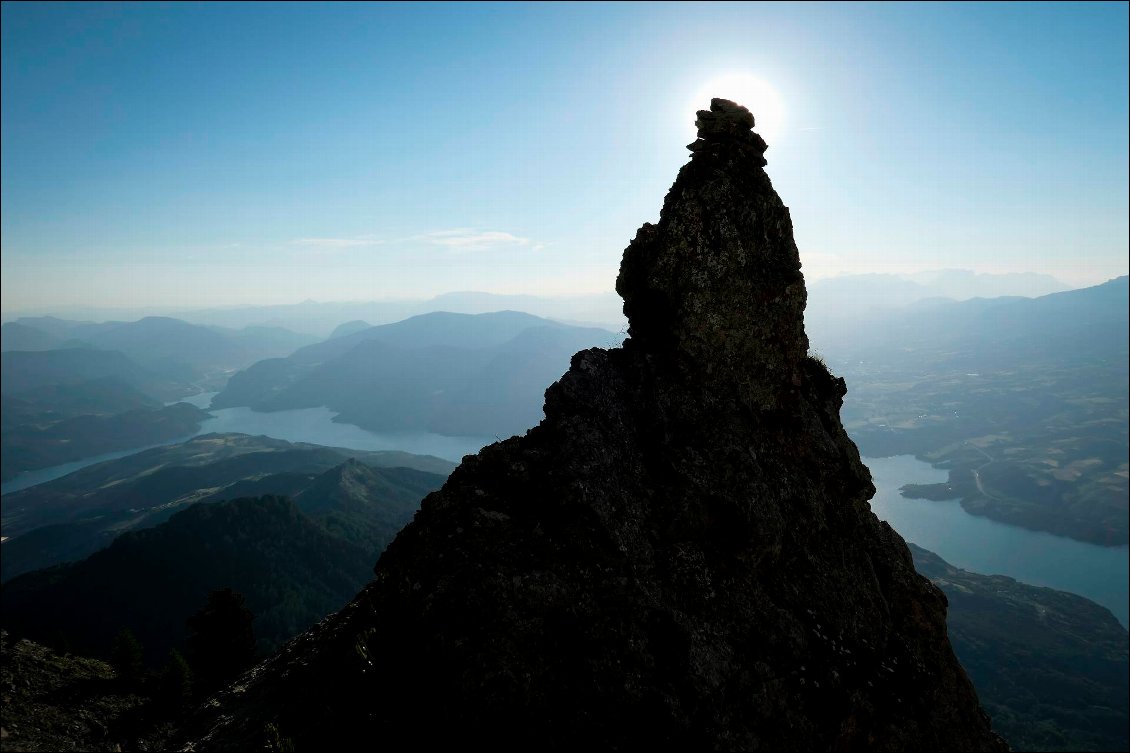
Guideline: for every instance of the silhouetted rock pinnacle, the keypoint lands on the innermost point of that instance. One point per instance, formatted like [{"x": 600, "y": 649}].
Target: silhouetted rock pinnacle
[
  {"x": 716, "y": 285},
  {"x": 680, "y": 556}
]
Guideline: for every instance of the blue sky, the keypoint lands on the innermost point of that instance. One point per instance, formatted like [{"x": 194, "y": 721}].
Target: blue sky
[{"x": 180, "y": 155}]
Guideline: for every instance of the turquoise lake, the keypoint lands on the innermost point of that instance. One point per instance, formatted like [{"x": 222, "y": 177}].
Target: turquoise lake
[{"x": 970, "y": 542}]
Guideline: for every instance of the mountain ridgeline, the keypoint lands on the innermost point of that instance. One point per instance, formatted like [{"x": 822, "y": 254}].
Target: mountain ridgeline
[
  {"x": 169, "y": 347},
  {"x": 72, "y": 390},
  {"x": 454, "y": 374},
  {"x": 295, "y": 561},
  {"x": 74, "y": 516},
  {"x": 681, "y": 554},
  {"x": 292, "y": 571},
  {"x": 67, "y": 404}
]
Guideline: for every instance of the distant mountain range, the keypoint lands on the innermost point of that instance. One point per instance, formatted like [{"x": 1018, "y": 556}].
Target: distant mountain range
[
  {"x": 71, "y": 517},
  {"x": 840, "y": 304},
  {"x": 446, "y": 373},
  {"x": 1023, "y": 400},
  {"x": 357, "y": 325},
  {"x": 64, "y": 405},
  {"x": 71, "y": 390},
  {"x": 19, "y": 336},
  {"x": 31, "y": 374},
  {"x": 603, "y": 310},
  {"x": 962, "y": 284},
  {"x": 320, "y": 318},
  {"x": 891, "y": 290},
  {"x": 1075, "y": 323},
  {"x": 168, "y": 347}
]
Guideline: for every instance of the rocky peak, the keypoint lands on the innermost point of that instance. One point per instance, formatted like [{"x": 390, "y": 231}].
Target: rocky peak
[
  {"x": 716, "y": 284},
  {"x": 354, "y": 467},
  {"x": 681, "y": 555},
  {"x": 725, "y": 124}
]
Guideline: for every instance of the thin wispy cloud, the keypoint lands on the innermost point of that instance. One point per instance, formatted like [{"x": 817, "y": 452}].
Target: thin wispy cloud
[
  {"x": 332, "y": 243},
  {"x": 469, "y": 239},
  {"x": 455, "y": 239}
]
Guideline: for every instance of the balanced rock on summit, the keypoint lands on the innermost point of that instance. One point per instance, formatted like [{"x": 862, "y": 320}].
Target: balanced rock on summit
[
  {"x": 680, "y": 556},
  {"x": 727, "y": 123}
]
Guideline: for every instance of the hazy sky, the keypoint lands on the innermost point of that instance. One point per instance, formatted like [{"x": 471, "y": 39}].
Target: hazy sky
[{"x": 208, "y": 154}]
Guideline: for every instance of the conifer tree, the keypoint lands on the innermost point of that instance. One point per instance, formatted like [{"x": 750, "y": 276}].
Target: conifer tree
[
  {"x": 221, "y": 642},
  {"x": 175, "y": 688},
  {"x": 125, "y": 656}
]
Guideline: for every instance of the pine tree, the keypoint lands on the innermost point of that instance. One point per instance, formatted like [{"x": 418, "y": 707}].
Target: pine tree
[
  {"x": 125, "y": 656},
  {"x": 221, "y": 642},
  {"x": 175, "y": 688}
]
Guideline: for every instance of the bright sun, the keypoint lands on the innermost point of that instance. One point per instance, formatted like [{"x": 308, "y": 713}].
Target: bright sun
[{"x": 751, "y": 92}]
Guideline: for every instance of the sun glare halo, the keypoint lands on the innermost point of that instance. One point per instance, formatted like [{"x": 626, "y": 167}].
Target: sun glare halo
[{"x": 751, "y": 92}]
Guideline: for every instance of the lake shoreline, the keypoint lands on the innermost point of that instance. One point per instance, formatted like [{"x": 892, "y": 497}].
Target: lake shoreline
[
  {"x": 966, "y": 492},
  {"x": 308, "y": 425},
  {"x": 964, "y": 487},
  {"x": 982, "y": 545}
]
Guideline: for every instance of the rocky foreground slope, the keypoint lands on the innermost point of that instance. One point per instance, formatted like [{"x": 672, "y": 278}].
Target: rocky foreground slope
[{"x": 680, "y": 554}]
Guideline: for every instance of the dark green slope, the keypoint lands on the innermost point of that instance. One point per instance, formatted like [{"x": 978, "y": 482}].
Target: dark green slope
[
  {"x": 291, "y": 570},
  {"x": 28, "y": 447},
  {"x": 364, "y": 505},
  {"x": 274, "y": 485},
  {"x": 74, "y": 516},
  {"x": 1050, "y": 667},
  {"x": 155, "y": 486}
]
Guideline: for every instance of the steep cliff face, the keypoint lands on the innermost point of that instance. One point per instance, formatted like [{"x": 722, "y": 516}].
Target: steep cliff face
[{"x": 681, "y": 553}]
